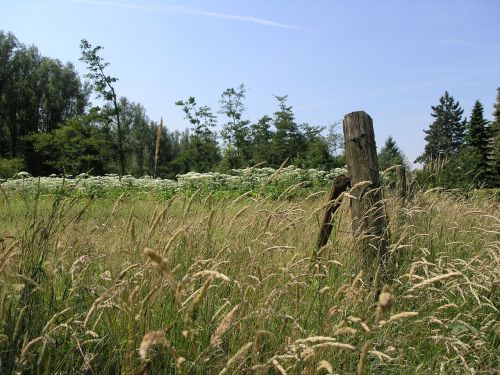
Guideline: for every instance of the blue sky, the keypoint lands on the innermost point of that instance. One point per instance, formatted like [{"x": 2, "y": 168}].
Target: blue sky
[{"x": 391, "y": 58}]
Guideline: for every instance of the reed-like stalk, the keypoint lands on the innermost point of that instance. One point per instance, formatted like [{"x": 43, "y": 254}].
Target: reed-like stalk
[{"x": 157, "y": 146}]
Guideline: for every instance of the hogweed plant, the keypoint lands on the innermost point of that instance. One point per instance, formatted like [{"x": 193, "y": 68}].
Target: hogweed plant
[{"x": 268, "y": 182}]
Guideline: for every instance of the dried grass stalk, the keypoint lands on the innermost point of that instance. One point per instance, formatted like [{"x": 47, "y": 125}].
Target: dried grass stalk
[
  {"x": 157, "y": 148},
  {"x": 237, "y": 358},
  {"x": 362, "y": 358},
  {"x": 433, "y": 280},
  {"x": 222, "y": 328}
]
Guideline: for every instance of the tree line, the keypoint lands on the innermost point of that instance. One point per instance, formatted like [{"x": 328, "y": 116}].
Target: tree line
[
  {"x": 460, "y": 151},
  {"x": 49, "y": 125}
]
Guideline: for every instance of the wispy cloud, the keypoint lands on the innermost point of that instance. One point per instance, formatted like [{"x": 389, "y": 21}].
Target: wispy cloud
[
  {"x": 466, "y": 43},
  {"x": 190, "y": 11}
]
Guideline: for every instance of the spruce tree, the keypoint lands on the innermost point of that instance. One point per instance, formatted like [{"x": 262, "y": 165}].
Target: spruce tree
[
  {"x": 390, "y": 155},
  {"x": 477, "y": 140},
  {"x": 494, "y": 152},
  {"x": 445, "y": 135}
]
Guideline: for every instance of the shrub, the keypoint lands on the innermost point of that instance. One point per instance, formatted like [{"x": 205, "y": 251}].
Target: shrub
[{"x": 9, "y": 167}]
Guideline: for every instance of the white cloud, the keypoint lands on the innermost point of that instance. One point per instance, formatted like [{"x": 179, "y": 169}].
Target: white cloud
[
  {"x": 196, "y": 12},
  {"x": 466, "y": 43}
]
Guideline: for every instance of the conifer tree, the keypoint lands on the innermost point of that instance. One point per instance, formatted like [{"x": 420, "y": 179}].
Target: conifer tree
[
  {"x": 477, "y": 139},
  {"x": 445, "y": 135},
  {"x": 390, "y": 155},
  {"x": 494, "y": 149}
]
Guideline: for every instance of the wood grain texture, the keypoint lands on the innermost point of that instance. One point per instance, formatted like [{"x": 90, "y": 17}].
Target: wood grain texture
[
  {"x": 340, "y": 185},
  {"x": 369, "y": 220}
]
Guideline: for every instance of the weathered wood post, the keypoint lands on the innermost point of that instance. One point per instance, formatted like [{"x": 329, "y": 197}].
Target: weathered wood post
[
  {"x": 401, "y": 184},
  {"x": 339, "y": 186},
  {"x": 369, "y": 220}
]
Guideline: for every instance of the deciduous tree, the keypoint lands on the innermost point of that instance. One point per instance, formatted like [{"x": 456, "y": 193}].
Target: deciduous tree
[
  {"x": 103, "y": 85},
  {"x": 236, "y": 131},
  {"x": 204, "y": 152}
]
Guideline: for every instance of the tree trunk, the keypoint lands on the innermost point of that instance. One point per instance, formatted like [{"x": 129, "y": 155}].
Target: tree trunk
[{"x": 121, "y": 154}]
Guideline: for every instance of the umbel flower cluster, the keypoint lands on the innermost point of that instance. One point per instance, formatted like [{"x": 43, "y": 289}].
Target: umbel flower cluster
[{"x": 266, "y": 180}]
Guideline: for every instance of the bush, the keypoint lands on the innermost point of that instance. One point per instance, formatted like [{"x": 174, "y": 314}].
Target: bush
[{"x": 9, "y": 167}]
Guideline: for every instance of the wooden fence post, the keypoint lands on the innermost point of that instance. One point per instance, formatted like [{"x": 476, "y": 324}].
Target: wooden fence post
[
  {"x": 369, "y": 220},
  {"x": 339, "y": 186},
  {"x": 401, "y": 184}
]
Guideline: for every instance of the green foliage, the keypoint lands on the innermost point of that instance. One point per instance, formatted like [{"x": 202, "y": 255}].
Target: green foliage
[
  {"x": 445, "y": 135},
  {"x": 202, "y": 151},
  {"x": 390, "y": 155},
  {"x": 139, "y": 138},
  {"x": 102, "y": 83},
  {"x": 236, "y": 131},
  {"x": 44, "y": 111},
  {"x": 201, "y": 118},
  {"x": 494, "y": 144},
  {"x": 9, "y": 167},
  {"x": 315, "y": 152},
  {"x": 450, "y": 173},
  {"x": 103, "y": 86},
  {"x": 287, "y": 140},
  {"x": 37, "y": 94},
  {"x": 459, "y": 154},
  {"x": 76, "y": 147},
  {"x": 262, "y": 137},
  {"x": 477, "y": 141},
  {"x": 231, "y": 159}
]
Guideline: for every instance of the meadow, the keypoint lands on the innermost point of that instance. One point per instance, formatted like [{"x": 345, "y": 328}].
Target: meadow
[{"x": 224, "y": 278}]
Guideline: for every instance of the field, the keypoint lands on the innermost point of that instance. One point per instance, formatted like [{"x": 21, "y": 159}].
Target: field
[{"x": 228, "y": 281}]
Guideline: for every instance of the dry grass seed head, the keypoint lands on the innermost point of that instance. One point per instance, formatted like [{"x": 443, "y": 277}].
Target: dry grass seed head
[
  {"x": 193, "y": 310},
  {"x": 433, "y": 280},
  {"x": 222, "y": 328},
  {"x": 150, "y": 339},
  {"x": 384, "y": 305},
  {"x": 237, "y": 359},
  {"x": 162, "y": 264},
  {"x": 278, "y": 367},
  {"x": 324, "y": 367}
]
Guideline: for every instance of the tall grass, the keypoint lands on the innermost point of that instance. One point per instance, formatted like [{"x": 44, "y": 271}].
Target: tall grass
[{"x": 222, "y": 285}]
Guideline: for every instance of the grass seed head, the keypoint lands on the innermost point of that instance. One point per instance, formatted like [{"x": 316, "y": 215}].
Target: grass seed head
[
  {"x": 384, "y": 305},
  {"x": 222, "y": 328},
  {"x": 324, "y": 367},
  {"x": 150, "y": 339}
]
